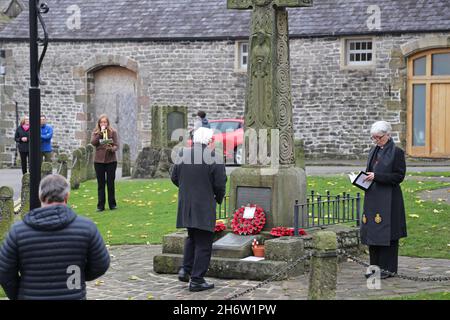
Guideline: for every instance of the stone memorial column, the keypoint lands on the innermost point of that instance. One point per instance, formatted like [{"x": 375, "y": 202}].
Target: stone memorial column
[{"x": 269, "y": 174}]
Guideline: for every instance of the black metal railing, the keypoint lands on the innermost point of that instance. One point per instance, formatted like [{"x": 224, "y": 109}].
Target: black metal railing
[
  {"x": 221, "y": 209},
  {"x": 326, "y": 210}
]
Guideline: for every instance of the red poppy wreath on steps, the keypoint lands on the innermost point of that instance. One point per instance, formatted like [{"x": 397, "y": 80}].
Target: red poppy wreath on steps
[{"x": 243, "y": 226}]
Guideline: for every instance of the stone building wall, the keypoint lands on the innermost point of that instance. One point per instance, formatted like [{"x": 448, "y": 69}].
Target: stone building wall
[{"x": 333, "y": 106}]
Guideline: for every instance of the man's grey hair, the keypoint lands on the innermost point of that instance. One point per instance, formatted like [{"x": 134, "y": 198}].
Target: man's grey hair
[
  {"x": 382, "y": 127},
  {"x": 53, "y": 188}
]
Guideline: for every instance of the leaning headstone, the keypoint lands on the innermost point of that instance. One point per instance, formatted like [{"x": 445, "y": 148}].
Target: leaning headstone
[
  {"x": 63, "y": 161},
  {"x": 90, "y": 150},
  {"x": 83, "y": 165},
  {"x": 6, "y": 210},
  {"x": 25, "y": 195},
  {"x": 46, "y": 169},
  {"x": 126, "y": 161},
  {"x": 324, "y": 265},
  {"x": 76, "y": 167},
  {"x": 164, "y": 164},
  {"x": 152, "y": 162}
]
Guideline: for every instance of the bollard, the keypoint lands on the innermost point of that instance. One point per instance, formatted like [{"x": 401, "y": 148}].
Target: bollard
[
  {"x": 324, "y": 265},
  {"x": 75, "y": 173},
  {"x": 25, "y": 195},
  {"x": 90, "y": 154},
  {"x": 126, "y": 161},
  {"x": 83, "y": 164},
  {"x": 6, "y": 210},
  {"x": 46, "y": 169},
  {"x": 63, "y": 160}
]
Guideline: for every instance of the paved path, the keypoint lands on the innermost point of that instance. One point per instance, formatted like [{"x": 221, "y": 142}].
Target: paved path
[{"x": 131, "y": 276}]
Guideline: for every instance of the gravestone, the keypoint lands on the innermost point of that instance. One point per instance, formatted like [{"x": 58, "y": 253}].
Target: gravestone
[
  {"x": 46, "y": 169},
  {"x": 90, "y": 150},
  {"x": 63, "y": 160},
  {"x": 126, "y": 161},
  {"x": 75, "y": 172},
  {"x": 83, "y": 164},
  {"x": 6, "y": 210},
  {"x": 268, "y": 113},
  {"x": 25, "y": 195},
  {"x": 165, "y": 120}
]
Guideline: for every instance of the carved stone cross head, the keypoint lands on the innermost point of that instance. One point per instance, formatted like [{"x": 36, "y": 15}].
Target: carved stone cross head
[{"x": 247, "y": 4}]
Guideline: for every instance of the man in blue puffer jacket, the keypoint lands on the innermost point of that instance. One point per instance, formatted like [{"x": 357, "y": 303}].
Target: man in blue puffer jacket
[
  {"x": 46, "y": 139},
  {"x": 53, "y": 252}
]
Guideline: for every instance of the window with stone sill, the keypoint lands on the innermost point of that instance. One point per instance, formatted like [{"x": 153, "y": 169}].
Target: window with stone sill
[
  {"x": 242, "y": 55},
  {"x": 359, "y": 52}
]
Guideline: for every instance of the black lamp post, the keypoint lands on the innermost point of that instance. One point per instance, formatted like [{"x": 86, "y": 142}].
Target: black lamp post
[{"x": 36, "y": 9}]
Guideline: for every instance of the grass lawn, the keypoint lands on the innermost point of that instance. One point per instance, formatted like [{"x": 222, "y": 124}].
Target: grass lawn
[
  {"x": 2, "y": 293},
  {"x": 424, "y": 296},
  {"x": 147, "y": 211}
]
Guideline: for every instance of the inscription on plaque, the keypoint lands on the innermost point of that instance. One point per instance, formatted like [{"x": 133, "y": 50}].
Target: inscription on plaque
[{"x": 252, "y": 195}]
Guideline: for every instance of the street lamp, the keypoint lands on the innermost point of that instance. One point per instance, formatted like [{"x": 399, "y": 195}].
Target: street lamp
[{"x": 36, "y": 9}]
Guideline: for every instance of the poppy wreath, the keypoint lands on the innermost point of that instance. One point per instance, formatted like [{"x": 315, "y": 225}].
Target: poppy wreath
[
  {"x": 243, "y": 226},
  {"x": 220, "y": 226},
  {"x": 283, "y": 231}
]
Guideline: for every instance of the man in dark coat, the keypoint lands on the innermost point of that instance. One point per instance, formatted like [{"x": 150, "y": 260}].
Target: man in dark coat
[
  {"x": 383, "y": 220},
  {"x": 201, "y": 179},
  {"x": 53, "y": 252}
]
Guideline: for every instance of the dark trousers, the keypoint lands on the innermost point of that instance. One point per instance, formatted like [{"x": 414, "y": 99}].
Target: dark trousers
[
  {"x": 47, "y": 156},
  {"x": 23, "y": 161},
  {"x": 197, "y": 253},
  {"x": 385, "y": 257},
  {"x": 106, "y": 173}
]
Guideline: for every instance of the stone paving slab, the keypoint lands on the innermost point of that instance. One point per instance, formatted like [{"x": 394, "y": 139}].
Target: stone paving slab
[{"x": 131, "y": 276}]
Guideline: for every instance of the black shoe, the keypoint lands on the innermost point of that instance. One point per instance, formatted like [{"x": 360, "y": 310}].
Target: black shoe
[
  {"x": 113, "y": 208},
  {"x": 195, "y": 287},
  {"x": 183, "y": 276},
  {"x": 100, "y": 209}
]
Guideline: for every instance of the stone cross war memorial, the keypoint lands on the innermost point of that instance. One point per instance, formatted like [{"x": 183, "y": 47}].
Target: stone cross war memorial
[{"x": 269, "y": 170}]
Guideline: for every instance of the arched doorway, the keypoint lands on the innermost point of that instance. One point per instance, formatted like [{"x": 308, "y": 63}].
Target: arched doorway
[
  {"x": 115, "y": 94},
  {"x": 428, "y": 114}
]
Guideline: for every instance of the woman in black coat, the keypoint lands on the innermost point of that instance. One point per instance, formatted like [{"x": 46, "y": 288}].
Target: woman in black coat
[
  {"x": 22, "y": 138},
  {"x": 383, "y": 220}
]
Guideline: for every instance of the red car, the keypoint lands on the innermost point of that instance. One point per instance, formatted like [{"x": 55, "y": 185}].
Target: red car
[
  {"x": 231, "y": 136},
  {"x": 229, "y": 133}
]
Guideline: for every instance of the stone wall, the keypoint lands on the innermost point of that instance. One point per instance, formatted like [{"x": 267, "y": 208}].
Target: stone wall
[{"x": 333, "y": 107}]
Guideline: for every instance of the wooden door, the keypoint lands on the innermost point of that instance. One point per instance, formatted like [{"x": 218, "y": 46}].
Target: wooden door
[
  {"x": 440, "y": 120},
  {"x": 428, "y": 114}
]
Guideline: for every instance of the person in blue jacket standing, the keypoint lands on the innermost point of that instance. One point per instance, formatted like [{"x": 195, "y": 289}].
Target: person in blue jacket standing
[{"x": 46, "y": 139}]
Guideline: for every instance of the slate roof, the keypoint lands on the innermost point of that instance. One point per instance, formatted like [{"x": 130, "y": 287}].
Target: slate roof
[{"x": 210, "y": 19}]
